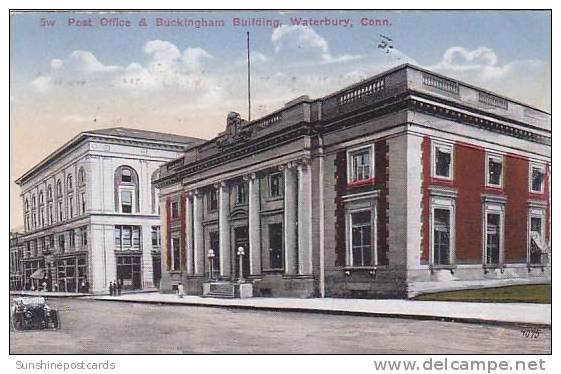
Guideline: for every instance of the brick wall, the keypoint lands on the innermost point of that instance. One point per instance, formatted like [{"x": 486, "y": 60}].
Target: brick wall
[{"x": 469, "y": 181}]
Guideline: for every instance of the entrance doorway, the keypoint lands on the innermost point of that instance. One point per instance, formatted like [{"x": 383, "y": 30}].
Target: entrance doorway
[
  {"x": 241, "y": 239},
  {"x": 129, "y": 271},
  {"x": 156, "y": 269}
]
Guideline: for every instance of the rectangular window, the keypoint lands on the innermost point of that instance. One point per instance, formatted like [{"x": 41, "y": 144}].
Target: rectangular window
[
  {"x": 156, "y": 238},
  {"x": 537, "y": 242},
  {"x": 70, "y": 207},
  {"x": 72, "y": 239},
  {"x": 127, "y": 237},
  {"x": 84, "y": 233},
  {"x": 83, "y": 202},
  {"x": 537, "y": 178},
  {"x": 213, "y": 199},
  {"x": 493, "y": 232},
  {"x": 360, "y": 165},
  {"x": 61, "y": 244},
  {"x": 241, "y": 194},
  {"x": 441, "y": 235},
  {"x": 275, "y": 246},
  {"x": 126, "y": 201},
  {"x": 361, "y": 238},
  {"x": 442, "y": 161},
  {"x": 175, "y": 253},
  {"x": 135, "y": 236},
  {"x": 275, "y": 185},
  {"x": 118, "y": 236},
  {"x": 494, "y": 170},
  {"x": 60, "y": 211},
  {"x": 175, "y": 209}
]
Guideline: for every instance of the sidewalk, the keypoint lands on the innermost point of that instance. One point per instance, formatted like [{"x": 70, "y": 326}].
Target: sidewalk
[
  {"x": 488, "y": 313},
  {"x": 48, "y": 294}
]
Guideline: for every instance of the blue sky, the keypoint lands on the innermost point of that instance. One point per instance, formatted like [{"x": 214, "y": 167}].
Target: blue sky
[{"x": 185, "y": 80}]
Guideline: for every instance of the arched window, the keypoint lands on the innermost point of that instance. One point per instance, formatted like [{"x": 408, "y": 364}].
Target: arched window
[
  {"x": 69, "y": 181},
  {"x": 50, "y": 192},
  {"x": 41, "y": 198},
  {"x": 33, "y": 202},
  {"x": 81, "y": 176},
  {"x": 126, "y": 190},
  {"x": 27, "y": 205},
  {"x": 59, "y": 188}
]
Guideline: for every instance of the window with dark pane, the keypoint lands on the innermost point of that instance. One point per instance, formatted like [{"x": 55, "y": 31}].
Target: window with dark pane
[
  {"x": 441, "y": 237},
  {"x": 360, "y": 165},
  {"x": 538, "y": 177},
  {"x": 495, "y": 171},
  {"x": 536, "y": 231},
  {"x": 443, "y": 160},
  {"x": 275, "y": 246},
  {"x": 493, "y": 238},
  {"x": 361, "y": 238}
]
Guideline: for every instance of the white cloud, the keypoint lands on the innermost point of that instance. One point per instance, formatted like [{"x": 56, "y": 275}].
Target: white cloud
[
  {"x": 304, "y": 43},
  {"x": 525, "y": 80},
  {"x": 41, "y": 84},
  {"x": 194, "y": 57},
  {"x": 82, "y": 61},
  {"x": 162, "y": 50},
  {"x": 481, "y": 63}
]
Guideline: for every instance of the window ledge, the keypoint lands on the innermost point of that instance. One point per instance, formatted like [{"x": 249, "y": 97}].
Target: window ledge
[
  {"x": 276, "y": 198},
  {"x": 450, "y": 268},
  {"x": 361, "y": 183},
  {"x": 372, "y": 267},
  {"x": 273, "y": 271},
  {"x": 493, "y": 266}
]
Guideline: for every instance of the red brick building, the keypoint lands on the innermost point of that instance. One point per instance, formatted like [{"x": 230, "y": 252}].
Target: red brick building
[{"x": 407, "y": 182}]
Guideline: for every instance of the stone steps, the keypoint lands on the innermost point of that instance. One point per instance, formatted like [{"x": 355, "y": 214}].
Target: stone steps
[{"x": 221, "y": 290}]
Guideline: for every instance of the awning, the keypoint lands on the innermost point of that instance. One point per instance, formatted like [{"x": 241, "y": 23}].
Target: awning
[{"x": 38, "y": 274}]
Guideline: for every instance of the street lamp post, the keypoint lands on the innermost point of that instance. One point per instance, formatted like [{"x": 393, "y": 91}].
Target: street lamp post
[
  {"x": 210, "y": 263},
  {"x": 241, "y": 253}
]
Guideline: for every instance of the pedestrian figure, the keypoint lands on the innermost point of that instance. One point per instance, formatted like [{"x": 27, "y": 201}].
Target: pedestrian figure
[
  {"x": 119, "y": 286},
  {"x": 87, "y": 287},
  {"x": 180, "y": 290},
  {"x": 82, "y": 287},
  {"x": 111, "y": 289}
]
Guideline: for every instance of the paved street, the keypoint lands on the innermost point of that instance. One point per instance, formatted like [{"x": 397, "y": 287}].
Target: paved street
[{"x": 93, "y": 326}]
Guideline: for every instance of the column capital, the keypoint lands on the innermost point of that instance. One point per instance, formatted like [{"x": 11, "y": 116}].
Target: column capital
[
  {"x": 305, "y": 161},
  {"x": 250, "y": 177}
]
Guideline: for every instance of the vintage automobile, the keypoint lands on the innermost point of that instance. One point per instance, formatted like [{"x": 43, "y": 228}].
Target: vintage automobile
[{"x": 30, "y": 313}]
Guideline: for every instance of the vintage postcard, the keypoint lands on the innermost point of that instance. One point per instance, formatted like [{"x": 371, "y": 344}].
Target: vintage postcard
[{"x": 282, "y": 182}]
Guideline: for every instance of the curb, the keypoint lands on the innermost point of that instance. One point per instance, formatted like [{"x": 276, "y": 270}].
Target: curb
[{"x": 343, "y": 312}]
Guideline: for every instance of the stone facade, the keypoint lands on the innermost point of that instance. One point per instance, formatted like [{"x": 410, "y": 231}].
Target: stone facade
[
  {"x": 404, "y": 183},
  {"x": 91, "y": 213}
]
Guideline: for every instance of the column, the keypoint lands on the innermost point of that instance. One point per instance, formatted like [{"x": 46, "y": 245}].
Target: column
[
  {"x": 224, "y": 229},
  {"x": 189, "y": 234},
  {"x": 254, "y": 226},
  {"x": 147, "y": 268},
  {"x": 290, "y": 217},
  {"x": 198, "y": 238},
  {"x": 305, "y": 217}
]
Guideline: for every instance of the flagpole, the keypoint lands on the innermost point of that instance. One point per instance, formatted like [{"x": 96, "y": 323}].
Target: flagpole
[{"x": 248, "y": 82}]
